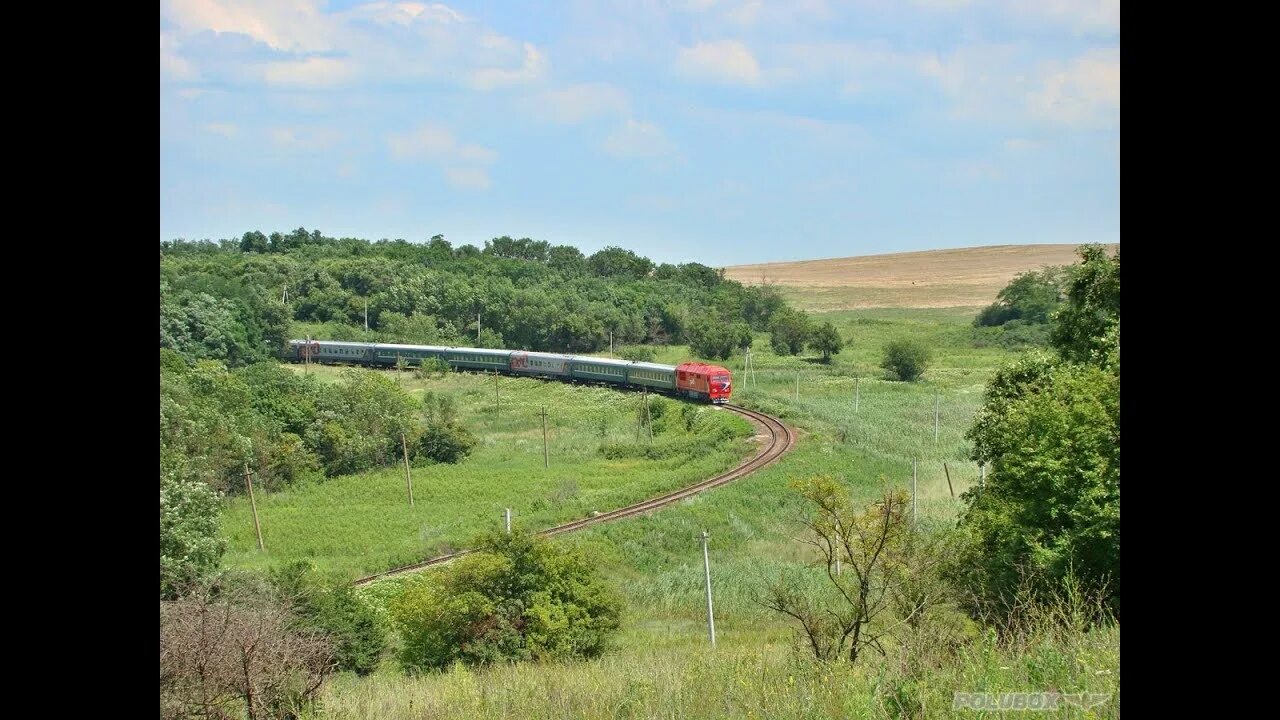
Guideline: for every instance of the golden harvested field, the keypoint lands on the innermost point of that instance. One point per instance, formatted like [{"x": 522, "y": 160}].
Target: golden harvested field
[{"x": 964, "y": 277}]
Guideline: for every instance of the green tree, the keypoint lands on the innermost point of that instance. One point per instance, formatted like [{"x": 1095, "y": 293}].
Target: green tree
[
  {"x": 332, "y": 607},
  {"x": 518, "y": 598},
  {"x": 191, "y": 545},
  {"x": 1087, "y": 328},
  {"x": 1050, "y": 433},
  {"x": 790, "y": 332},
  {"x": 906, "y": 358},
  {"x": 826, "y": 340},
  {"x": 1031, "y": 297}
]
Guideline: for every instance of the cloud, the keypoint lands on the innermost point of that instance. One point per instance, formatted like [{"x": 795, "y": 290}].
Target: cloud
[
  {"x": 639, "y": 139},
  {"x": 226, "y": 130},
  {"x": 535, "y": 64},
  {"x": 473, "y": 178},
  {"x": 313, "y": 72},
  {"x": 302, "y": 44},
  {"x": 172, "y": 64},
  {"x": 725, "y": 61},
  {"x": 578, "y": 103},
  {"x": 290, "y": 25},
  {"x": 1084, "y": 92},
  {"x": 303, "y": 138},
  {"x": 437, "y": 144}
]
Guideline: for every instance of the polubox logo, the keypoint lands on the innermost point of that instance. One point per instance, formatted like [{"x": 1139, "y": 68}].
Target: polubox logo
[{"x": 1033, "y": 701}]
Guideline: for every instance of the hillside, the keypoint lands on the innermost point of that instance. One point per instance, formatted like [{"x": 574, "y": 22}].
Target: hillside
[{"x": 964, "y": 277}]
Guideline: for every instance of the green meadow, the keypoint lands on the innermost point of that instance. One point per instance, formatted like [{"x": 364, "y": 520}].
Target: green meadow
[{"x": 662, "y": 664}]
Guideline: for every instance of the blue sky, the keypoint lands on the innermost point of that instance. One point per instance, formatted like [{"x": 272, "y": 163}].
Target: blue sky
[{"x": 717, "y": 131}]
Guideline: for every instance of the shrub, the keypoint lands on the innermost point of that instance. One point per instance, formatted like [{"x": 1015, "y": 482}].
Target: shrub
[
  {"x": 445, "y": 442},
  {"x": 332, "y": 608},
  {"x": 637, "y": 353},
  {"x": 905, "y": 358},
  {"x": 518, "y": 598}
]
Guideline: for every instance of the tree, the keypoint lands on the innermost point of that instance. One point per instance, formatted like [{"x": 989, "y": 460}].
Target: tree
[
  {"x": 1087, "y": 329},
  {"x": 714, "y": 339},
  {"x": 228, "y": 649},
  {"x": 837, "y": 620},
  {"x": 1050, "y": 433},
  {"x": 826, "y": 340},
  {"x": 332, "y": 607},
  {"x": 518, "y": 598},
  {"x": 906, "y": 358},
  {"x": 191, "y": 544},
  {"x": 790, "y": 331},
  {"x": 1031, "y": 297}
]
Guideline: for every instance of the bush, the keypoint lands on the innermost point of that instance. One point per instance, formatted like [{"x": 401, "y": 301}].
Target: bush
[
  {"x": 637, "y": 353},
  {"x": 445, "y": 443},
  {"x": 432, "y": 367},
  {"x": 518, "y": 598},
  {"x": 332, "y": 608},
  {"x": 190, "y": 544},
  {"x": 905, "y": 358}
]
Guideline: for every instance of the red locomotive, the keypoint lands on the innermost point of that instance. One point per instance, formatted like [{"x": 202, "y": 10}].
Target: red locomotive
[{"x": 703, "y": 381}]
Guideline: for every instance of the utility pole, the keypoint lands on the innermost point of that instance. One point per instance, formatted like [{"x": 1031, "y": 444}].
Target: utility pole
[
  {"x": 306, "y": 357},
  {"x": 838, "y": 546},
  {"x": 648, "y": 417},
  {"x": 477, "y": 328},
  {"x": 497, "y": 399},
  {"x": 855, "y": 395},
  {"x": 508, "y": 521},
  {"x": 546, "y": 458},
  {"x": 913, "y": 492},
  {"x": 706, "y": 565},
  {"x": 248, "y": 481},
  {"x": 797, "y": 386},
  {"x": 935, "y": 418},
  {"x": 982, "y": 475},
  {"x": 408, "y": 479},
  {"x": 611, "y": 343},
  {"x": 366, "y": 314}
]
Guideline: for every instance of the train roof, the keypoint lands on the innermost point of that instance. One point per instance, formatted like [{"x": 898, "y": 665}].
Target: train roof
[
  {"x": 332, "y": 342},
  {"x": 395, "y": 346},
  {"x": 478, "y": 350},
  {"x": 608, "y": 362},
  {"x": 536, "y": 354},
  {"x": 653, "y": 366}
]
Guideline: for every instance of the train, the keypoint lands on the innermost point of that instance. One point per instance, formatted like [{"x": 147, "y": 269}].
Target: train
[{"x": 692, "y": 380}]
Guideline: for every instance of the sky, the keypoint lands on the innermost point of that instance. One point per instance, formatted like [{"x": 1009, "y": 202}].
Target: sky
[{"x": 717, "y": 131}]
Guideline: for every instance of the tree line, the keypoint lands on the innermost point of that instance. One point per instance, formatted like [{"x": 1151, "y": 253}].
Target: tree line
[{"x": 234, "y": 300}]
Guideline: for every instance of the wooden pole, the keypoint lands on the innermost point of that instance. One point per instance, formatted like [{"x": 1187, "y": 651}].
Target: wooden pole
[
  {"x": 497, "y": 400},
  {"x": 855, "y": 395},
  {"x": 913, "y": 492},
  {"x": 546, "y": 457},
  {"x": 935, "y": 418},
  {"x": 508, "y": 521},
  {"x": 948, "y": 472},
  {"x": 982, "y": 475},
  {"x": 648, "y": 416},
  {"x": 257, "y": 528},
  {"x": 706, "y": 564},
  {"x": 408, "y": 479},
  {"x": 797, "y": 399}
]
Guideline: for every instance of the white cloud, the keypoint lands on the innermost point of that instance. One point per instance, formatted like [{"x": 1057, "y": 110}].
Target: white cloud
[
  {"x": 535, "y": 64},
  {"x": 226, "y": 130},
  {"x": 302, "y": 44},
  {"x": 578, "y": 103},
  {"x": 437, "y": 144},
  {"x": 291, "y": 25},
  {"x": 1084, "y": 92},
  {"x": 173, "y": 65},
  {"x": 726, "y": 61},
  {"x": 639, "y": 139},
  {"x": 474, "y": 178},
  {"x": 313, "y": 72},
  {"x": 303, "y": 138},
  {"x": 1079, "y": 15}
]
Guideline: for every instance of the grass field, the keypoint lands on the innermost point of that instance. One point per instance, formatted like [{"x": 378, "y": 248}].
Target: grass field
[
  {"x": 662, "y": 665},
  {"x": 965, "y": 277},
  {"x": 360, "y": 524}
]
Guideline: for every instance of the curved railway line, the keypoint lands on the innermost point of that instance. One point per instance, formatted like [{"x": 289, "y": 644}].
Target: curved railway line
[{"x": 780, "y": 440}]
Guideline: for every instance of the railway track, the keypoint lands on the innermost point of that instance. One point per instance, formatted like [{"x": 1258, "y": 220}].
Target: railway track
[{"x": 780, "y": 440}]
